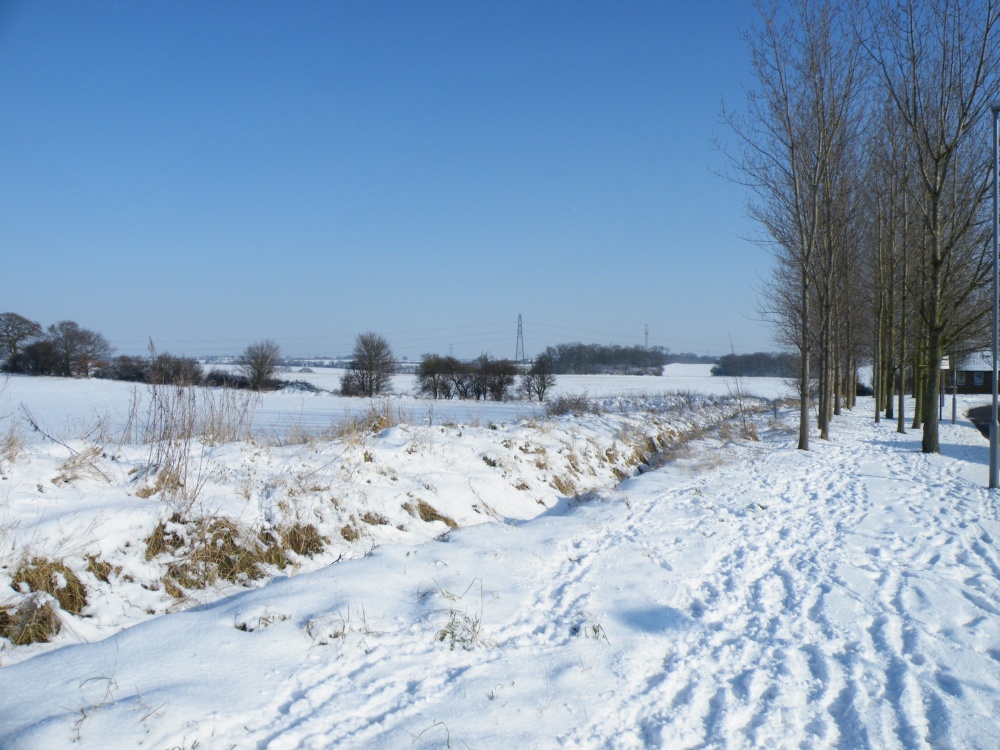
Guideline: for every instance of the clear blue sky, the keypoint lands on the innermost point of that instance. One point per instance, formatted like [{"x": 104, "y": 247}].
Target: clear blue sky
[{"x": 213, "y": 173}]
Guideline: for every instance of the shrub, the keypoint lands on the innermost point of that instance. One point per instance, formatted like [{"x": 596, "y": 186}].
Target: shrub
[
  {"x": 124, "y": 367},
  {"x": 167, "y": 369},
  {"x": 221, "y": 379},
  {"x": 37, "y": 358},
  {"x": 758, "y": 364},
  {"x": 575, "y": 404}
]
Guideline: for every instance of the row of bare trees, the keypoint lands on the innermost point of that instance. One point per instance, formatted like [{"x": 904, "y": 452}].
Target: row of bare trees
[
  {"x": 63, "y": 349},
  {"x": 484, "y": 378},
  {"x": 865, "y": 148}
]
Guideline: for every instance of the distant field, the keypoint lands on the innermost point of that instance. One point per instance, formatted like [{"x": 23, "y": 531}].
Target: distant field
[{"x": 69, "y": 407}]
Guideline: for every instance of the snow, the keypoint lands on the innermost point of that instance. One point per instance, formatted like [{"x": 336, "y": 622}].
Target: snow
[
  {"x": 67, "y": 407},
  {"x": 743, "y": 594}
]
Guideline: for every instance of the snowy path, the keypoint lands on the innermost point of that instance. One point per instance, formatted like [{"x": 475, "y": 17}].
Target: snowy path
[{"x": 746, "y": 596}]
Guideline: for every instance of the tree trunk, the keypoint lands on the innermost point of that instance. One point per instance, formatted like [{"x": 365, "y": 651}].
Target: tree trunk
[{"x": 804, "y": 369}]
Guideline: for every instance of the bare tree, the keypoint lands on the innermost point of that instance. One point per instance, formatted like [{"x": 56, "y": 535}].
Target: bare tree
[
  {"x": 76, "y": 350},
  {"x": 185, "y": 371},
  {"x": 15, "y": 330},
  {"x": 371, "y": 368},
  {"x": 793, "y": 141},
  {"x": 937, "y": 60},
  {"x": 434, "y": 376},
  {"x": 539, "y": 378},
  {"x": 259, "y": 363},
  {"x": 497, "y": 377}
]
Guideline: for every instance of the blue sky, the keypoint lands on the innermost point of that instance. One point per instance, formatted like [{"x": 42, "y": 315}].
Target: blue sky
[{"x": 213, "y": 173}]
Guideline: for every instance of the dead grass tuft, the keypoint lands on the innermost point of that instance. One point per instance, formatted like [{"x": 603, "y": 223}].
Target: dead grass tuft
[
  {"x": 374, "y": 519},
  {"x": 53, "y": 578},
  {"x": 429, "y": 513},
  {"x": 215, "y": 548},
  {"x": 161, "y": 540},
  {"x": 84, "y": 464},
  {"x": 273, "y": 552},
  {"x": 100, "y": 569},
  {"x": 168, "y": 482},
  {"x": 33, "y": 621},
  {"x": 350, "y": 533},
  {"x": 303, "y": 539},
  {"x": 221, "y": 549},
  {"x": 575, "y": 404},
  {"x": 11, "y": 445},
  {"x": 564, "y": 485},
  {"x": 381, "y": 415}
]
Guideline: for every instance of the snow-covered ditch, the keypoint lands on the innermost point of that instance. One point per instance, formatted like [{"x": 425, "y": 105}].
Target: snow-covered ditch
[
  {"x": 740, "y": 594},
  {"x": 188, "y": 504}
]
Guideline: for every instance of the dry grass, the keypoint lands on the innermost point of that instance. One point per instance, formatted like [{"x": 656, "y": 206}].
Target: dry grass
[
  {"x": 429, "y": 513},
  {"x": 350, "y": 533},
  {"x": 380, "y": 416},
  {"x": 11, "y": 445},
  {"x": 53, "y": 578},
  {"x": 732, "y": 431},
  {"x": 298, "y": 434},
  {"x": 176, "y": 418},
  {"x": 100, "y": 569},
  {"x": 564, "y": 485},
  {"x": 30, "y": 622},
  {"x": 303, "y": 539},
  {"x": 374, "y": 519},
  {"x": 464, "y": 629},
  {"x": 211, "y": 549},
  {"x": 180, "y": 413},
  {"x": 83, "y": 464},
  {"x": 167, "y": 481},
  {"x": 220, "y": 549},
  {"x": 575, "y": 404},
  {"x": 273, "y": 552},
  {"x": 161, "y": 540}
]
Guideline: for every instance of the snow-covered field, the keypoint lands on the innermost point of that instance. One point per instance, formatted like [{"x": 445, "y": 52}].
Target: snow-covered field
[
  {"x": 61, "y": 407},
  {"x": 742, "y": 594}
]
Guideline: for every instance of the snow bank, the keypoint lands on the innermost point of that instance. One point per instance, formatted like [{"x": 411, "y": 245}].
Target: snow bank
[{"x": 742, "y": 595}]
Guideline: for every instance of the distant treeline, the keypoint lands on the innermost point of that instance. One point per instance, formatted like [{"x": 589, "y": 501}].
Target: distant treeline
[
  {"x": 593, "y": 359},
  {"x": 689, "y": 358},
  {"x": 758, "y": 365}
]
